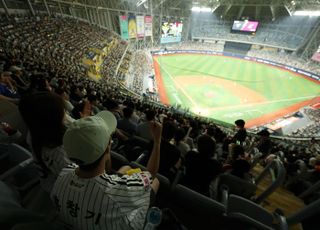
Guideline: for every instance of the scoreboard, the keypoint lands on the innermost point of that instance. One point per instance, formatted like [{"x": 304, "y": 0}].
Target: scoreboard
[{"x": 245, "y": 26}]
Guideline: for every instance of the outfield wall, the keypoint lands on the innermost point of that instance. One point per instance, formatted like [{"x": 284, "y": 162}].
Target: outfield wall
[{"x": 307, "y": 74}]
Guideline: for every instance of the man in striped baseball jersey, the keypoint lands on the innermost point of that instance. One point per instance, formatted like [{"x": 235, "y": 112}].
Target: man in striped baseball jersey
[{"x": 87, "y": 197}]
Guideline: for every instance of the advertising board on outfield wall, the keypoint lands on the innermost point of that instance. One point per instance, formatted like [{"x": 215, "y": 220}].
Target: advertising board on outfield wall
[{"x": 259, "y": 60}]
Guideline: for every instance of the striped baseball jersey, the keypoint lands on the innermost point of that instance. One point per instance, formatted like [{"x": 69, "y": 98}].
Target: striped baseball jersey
[
  {"x": 55, "y": 159},
  {"x": 109, "y": 202}
]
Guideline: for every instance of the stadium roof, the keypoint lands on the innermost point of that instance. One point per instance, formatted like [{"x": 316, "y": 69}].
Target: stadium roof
[
  {"x": 258, "y": 8},
  {"x": 299, "y": 4}
]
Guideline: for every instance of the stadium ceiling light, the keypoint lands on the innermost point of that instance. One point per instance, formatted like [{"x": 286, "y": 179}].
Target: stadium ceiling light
[
  {"x": 140, "y": 2},
  {"x": 306, "y": 13},
  {"x": 201, "y": 9}
]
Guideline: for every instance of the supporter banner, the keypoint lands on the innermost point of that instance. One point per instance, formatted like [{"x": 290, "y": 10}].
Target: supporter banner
[
  {"x": 148, "y": 26},
  {"x": 124, "y": 27},
  {"x": 132, "y": 26},
  {"x": 290, "y": 68},
  {"x": 140, "y": 26}
]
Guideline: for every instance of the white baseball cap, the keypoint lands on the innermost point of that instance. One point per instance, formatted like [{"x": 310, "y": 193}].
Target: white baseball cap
[{"x": 86, "y": 139}]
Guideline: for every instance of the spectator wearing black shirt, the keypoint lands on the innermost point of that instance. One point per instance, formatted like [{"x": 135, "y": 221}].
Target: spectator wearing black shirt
[
  {"x": 264, "y": 145},
  {"x": 169, "y": 154},
  {"x": 125, "y": 124},
  {"x": 201, "y": 167},
  {"x": 241, "y": 134}
]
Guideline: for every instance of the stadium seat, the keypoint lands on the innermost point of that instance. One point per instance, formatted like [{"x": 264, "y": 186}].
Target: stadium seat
[
  {"x": 11, "y": 211},
  {"x": 135, "y": 146},
  {"x": 118, "y": 160},
  {"x": 17, "y": 167},
  {"x": 39, "y": 225},
  {"x": 196, "y": 211},
  {"x": 308, "y": 216},
  {"x": 232, "y": 185},
  {"x": 142, "y": 159},
  {"x": 252, "y": 214}
]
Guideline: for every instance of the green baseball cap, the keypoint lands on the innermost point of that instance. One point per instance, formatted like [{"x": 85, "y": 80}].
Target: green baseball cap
[{"x": 86, "y": 139}]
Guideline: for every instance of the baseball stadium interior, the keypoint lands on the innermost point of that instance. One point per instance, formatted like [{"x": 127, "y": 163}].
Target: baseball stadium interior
[{"x": 160, "y": 114}]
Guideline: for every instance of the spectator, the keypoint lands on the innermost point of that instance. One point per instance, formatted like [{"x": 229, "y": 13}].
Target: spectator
[
  {"x": 170, "y": 160},
  {"x": 241, "y": 134},
  {"x": 43, "y": 113},
  {"x": 68, "y": 105},
  {"x": 143, "y": 129},
  {"x": 7, "y": 89},
  {"x": 8, "y": 134},
  {"x": 125, "y": 124},
  {"x": 94, "y": 104},
  {"x": 180, "y": 141},
  {"x": 113, "y": 107},
  {"x": 114, "y": 201},
  {"x": 82, "y": 109},
  {"x": 17, "y": 76},
  {"x": 240, "y": 166},
  {"x": 201, "y": 167},
  {"x": 264, "y": 145},
  {"x": 38, "y": 83}
]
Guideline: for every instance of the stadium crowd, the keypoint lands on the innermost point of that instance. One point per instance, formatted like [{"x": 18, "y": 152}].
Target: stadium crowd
[
  {"x": 312, "y": 129},
  {"x": 140, "y": 69},
  {"x": 282, "y": 32},
  {"x": 188, "y": 45},
  {"x": 74, "y": 122},
  {"x": 287, "y": 59}
]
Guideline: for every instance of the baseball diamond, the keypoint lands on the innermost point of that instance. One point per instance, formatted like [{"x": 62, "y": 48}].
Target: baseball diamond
[{"x": 225, "y": 88}]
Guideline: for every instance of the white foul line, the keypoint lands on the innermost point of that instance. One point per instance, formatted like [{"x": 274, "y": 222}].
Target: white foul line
[{"x": 178, "y": 86}]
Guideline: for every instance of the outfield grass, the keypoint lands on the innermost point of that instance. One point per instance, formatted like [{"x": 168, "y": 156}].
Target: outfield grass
[{"x": 228, "y": 88}]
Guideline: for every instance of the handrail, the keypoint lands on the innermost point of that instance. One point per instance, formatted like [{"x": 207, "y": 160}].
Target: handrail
[
  {"x": 120, "y": 62},
  {"x": 309, "y": 191},
  {"x": 280, "y": 177},
  {"x": 305, "y": 213}
]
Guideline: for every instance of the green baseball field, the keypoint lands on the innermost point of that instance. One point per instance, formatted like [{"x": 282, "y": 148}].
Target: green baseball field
[{"x": 227, "y": 89}]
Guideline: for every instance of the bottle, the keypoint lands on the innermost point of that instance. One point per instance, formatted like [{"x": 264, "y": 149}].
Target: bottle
[{"x": 154, "y": 217}]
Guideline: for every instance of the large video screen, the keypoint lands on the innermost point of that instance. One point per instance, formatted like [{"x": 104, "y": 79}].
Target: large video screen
[
  {"x": 316, "y": 55},
  {"x": 171, "y": 31},
  {"x": 245, "y": 26}
]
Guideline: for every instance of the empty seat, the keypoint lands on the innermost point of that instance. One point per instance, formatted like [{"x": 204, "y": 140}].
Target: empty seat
[{"x": 233, "y": 185}]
